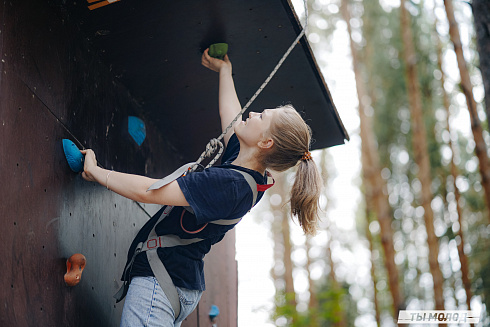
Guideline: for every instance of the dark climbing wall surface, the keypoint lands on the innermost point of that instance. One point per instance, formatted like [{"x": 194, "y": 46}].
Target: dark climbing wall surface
[
  {"x": 154, "y": 48},
  {"x": 52, "y": 87}
]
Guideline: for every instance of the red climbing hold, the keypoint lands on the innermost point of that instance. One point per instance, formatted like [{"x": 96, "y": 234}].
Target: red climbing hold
[{"x": 74, "y": 269}]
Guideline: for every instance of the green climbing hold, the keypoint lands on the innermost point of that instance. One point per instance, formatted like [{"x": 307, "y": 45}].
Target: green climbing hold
[{"x": 218, "y": 50}]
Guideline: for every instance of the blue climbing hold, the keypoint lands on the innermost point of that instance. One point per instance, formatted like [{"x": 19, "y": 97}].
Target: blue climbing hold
[
  {"x": 214, "y": 312},
  {"x": 73, "y": 156},
  {"x": 137, "y": 130}
]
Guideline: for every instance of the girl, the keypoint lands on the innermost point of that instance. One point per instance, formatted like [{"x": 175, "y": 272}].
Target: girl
[{"x": 275, "y": 139}]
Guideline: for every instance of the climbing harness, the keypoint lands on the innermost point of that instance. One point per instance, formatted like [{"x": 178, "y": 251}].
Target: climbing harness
[{"x": 154, "y": 241}]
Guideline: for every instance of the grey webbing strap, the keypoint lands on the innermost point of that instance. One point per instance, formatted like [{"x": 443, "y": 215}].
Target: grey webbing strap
[
  {"x": 225, "y": 222},
  {"x": 167, "y": 241},
  {"x": 139, "y": 248},
  {"x": 158, "y": 268},
  {"x": 124, "y": 288},
  {"x": 154, "y": 242},
  {"x": 173, "y": 176},
  {"x": 252, "y": 183},
  {"x": 164, "y": 279}
]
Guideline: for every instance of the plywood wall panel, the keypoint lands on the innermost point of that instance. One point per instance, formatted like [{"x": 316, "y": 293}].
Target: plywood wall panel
[{"x": 53, "y": 86}]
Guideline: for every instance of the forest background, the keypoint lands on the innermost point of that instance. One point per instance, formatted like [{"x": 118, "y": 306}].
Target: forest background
[{"x": 405, "y": 222}]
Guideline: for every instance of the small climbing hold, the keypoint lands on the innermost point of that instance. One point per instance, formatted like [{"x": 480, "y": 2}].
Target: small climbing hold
[
  {"x": 73, "y": 156},
  {"x": 214, "y": 312},
  {"x": 74, "y": 269},
  {"x": 218, "y": 50},
  {"x": 137, "y": 130}
]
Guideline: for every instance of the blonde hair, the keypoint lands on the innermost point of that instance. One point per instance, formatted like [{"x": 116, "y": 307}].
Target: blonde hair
[{"x": 292, "y": 138}]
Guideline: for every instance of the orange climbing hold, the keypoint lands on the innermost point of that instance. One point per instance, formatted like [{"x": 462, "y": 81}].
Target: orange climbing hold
[{"x": 74, "y": 269}]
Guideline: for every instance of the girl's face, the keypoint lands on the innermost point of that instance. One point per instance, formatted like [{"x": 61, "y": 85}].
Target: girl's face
[{"x": 253, "y": 130}]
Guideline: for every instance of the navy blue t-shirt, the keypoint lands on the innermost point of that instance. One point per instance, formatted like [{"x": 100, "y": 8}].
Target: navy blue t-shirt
[{"x": 213, "y": 194}]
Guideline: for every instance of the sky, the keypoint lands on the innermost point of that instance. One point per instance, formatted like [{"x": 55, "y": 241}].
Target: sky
[{"x": 254, "y": 246}]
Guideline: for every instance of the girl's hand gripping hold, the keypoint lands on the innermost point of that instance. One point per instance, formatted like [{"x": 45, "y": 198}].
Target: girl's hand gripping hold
[
  {"x": 215, "y": 64},
  {"x": 89, "y": 164},
  {"x": 229, "y": 106}
]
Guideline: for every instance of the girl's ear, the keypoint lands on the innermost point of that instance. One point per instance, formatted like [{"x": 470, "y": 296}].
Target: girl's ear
[{"x": 266, "y": 143}]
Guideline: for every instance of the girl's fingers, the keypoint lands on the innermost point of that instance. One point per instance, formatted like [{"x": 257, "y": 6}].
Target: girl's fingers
[
  {"x": 206, "y": 54},
  {"x": 86, "y": 151}
]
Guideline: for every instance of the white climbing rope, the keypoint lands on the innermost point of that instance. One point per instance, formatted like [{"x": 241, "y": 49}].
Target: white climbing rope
[{"x": 215, "y": 142}]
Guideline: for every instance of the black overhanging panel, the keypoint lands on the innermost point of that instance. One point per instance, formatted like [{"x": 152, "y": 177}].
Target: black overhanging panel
[{"x": 154, "y": 48}]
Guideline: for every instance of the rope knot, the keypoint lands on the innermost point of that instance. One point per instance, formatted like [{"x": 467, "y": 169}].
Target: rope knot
[{"x": 212, "y": 146}]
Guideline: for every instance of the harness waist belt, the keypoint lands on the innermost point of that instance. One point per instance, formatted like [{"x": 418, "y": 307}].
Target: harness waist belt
[
  {"x": 166, "y": 241},
  {"x": 154, "y": 241}
]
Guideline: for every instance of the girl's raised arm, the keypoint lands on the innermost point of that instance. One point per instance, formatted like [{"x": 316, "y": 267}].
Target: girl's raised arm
[{"x": 229, "y": 106}]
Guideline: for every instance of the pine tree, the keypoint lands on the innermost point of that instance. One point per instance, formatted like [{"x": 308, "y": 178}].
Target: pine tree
[
  {"x": 481, "y": 13},
  {"x": 285, "y": 297},
  {"x": 373, "y": 183},
  {"x": 467, "y": 87},
  {"x": 454, "y": 174},
  {"x": 421, "y": 153}
]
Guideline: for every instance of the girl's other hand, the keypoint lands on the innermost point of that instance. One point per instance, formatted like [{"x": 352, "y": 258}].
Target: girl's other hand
[
  {"x": 89, "y": 164},
  {"x": 215, "y": 64}
]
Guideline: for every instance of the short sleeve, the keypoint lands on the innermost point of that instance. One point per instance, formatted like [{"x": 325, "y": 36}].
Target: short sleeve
[
  {"x": 232, "y": 149},
  {"x": 212, "y": 194}
]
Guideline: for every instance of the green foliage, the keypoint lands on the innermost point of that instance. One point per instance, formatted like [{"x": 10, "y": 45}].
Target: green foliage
[
  {"x": 482, "y": 280},
  {"x": 285, "y": 309},
  {"x": 334, "y": 305}
]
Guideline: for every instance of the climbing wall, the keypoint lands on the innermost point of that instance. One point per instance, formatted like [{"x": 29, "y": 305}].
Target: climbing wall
[{"x": 52, "y": 86}]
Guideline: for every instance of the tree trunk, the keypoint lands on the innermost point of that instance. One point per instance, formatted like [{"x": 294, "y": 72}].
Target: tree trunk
[
  {"x": 373, "y": 266},
  {"x": 481, "y": 14},
  {"x": 313, "y": 303},
  {"x": 341, "y": 320},
  {"x": 282, "y": 247},
  {"x": 277, "y": 241},
  {"x": 374, "y": 184},
  {"x": 480, "y": 145},
  {"x": 421, "y": 153},
  {"x": 288, "y": 263},
  {"x": 281, "y": 214},
  {"x": 454, "y": 173}
]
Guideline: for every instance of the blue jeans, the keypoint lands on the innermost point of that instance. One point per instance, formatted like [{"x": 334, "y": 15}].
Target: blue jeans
[{"x": 147, "y": 305}]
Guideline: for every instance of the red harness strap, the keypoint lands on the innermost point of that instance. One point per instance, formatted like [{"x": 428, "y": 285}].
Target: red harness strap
[
  {"x": 263, "y": 188},
  {"x": 187, "y": 231}
]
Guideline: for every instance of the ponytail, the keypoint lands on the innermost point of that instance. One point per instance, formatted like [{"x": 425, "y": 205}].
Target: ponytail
[
  {"x": 292, "y": 137},
  {"x": 305, "y": 195}
]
